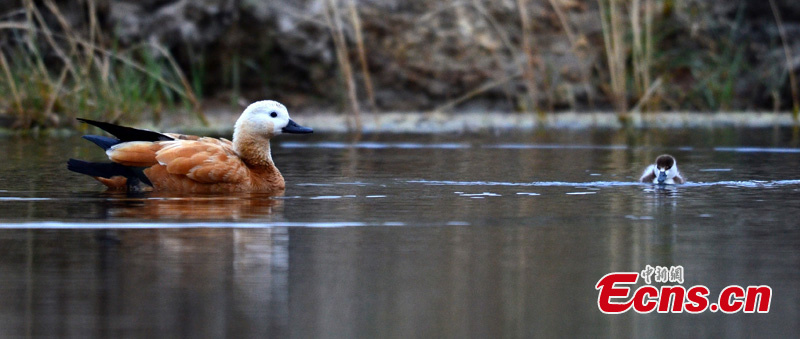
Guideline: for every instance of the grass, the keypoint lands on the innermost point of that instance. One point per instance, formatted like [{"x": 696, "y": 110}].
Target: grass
[
  {"x": 788, "y": 55},
  {"x": 640, "y": 69},
  {"x": 576, "y": 47},
  {"x": 640, "y": 66},
  {"x": 640, "y": 72},
  {"x": 615, "y": 48},
  {"x": 334, "y": 22},
  {"x": 55, "y": 74},
  {"x": 355, "y": 19},
  {"x": 642, "y": 46},
  {"x": 528, "y": 69},
  {"x": 643, "y": 59},
  {"x": 714, "y": 69}
]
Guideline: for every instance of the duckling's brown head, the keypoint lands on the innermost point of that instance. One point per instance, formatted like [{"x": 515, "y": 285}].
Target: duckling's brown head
[
  {"x": 665, "y": 169},
  {"x": 665, "y": 162}
]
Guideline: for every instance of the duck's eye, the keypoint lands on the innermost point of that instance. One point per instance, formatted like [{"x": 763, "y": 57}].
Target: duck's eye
[{"x": 274, "y": 114}]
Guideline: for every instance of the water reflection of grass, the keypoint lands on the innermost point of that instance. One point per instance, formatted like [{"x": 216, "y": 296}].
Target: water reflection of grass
[{"x": 52, "y": 76}]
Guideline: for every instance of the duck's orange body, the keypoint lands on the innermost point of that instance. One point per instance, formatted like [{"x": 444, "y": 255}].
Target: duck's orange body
[
  {"x": 183, "y": 163},
  {"x": 202, "y": 165}
]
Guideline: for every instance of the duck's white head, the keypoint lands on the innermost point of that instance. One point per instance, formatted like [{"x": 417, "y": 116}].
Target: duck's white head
[
  {"x": 267, "y": 118},
  {"x": 665, "y": 169}
]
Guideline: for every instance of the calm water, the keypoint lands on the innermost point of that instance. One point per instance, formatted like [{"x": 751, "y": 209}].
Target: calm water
[{"x": 405, "y": 236}]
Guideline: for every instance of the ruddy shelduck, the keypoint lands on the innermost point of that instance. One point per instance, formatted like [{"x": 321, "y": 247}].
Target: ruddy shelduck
[
  {"x": 664, "y": 171},
  {"x": 187, "y": 163}
]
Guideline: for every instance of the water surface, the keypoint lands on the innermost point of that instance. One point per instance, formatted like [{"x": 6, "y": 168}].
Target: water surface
[{"x": 405, "y": 236}]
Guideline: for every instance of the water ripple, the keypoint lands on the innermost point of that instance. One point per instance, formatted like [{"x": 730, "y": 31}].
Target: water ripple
[
  {"x": 746, "y": 183},
  {"x": 145, "y": 225},
  {"x": 524, "y": 184},
  {"x": 454, "y": 145},
  {"x": 171, "y": 225},
  {"x": 556, "y": 146},
  {"x": 23, "y": 199},
  {"x": 372, "y": 145},
  {"x": 757, "y": 149}
]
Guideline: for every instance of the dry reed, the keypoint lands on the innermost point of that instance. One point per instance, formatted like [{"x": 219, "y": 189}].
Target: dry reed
[
  {"x": 336, "y": 29},
  {"x": 11, "y": 84},
  {"x": 528, "y": 72},
  {"x": 362, "y": 52},
  {"x": 80, "y": 75},
  {"x": 573, "y": 40},
  {"x": 611, "y": 20},
  {"x": 788, "y": 54}
]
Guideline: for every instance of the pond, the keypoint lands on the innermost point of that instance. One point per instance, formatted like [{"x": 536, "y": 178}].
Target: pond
[{"x": 457, "y": 235}]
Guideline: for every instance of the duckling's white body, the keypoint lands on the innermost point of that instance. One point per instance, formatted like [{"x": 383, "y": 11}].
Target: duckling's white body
[{"x": 664, "y": 171}]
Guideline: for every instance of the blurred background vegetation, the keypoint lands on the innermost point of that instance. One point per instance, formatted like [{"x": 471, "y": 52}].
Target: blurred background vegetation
[{"x": 140, "y": 59}]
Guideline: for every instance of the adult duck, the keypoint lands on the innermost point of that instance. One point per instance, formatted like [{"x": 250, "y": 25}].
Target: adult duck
[{"x": 187, "y": 163}]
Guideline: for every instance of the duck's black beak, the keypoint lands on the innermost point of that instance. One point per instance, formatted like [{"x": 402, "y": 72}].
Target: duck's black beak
[
  {"x": 662, "y": 176},
  {"x": 293, "y": 127}
]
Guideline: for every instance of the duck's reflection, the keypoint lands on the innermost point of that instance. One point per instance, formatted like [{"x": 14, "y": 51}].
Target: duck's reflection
[
  {"x": 240, "y": 276},
  {"x": 171, "y": 206}
]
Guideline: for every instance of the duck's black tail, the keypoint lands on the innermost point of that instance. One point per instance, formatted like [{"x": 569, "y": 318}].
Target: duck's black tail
[
  {"x": 108, "y": 170},
  {"x": 97, "y": 169}
]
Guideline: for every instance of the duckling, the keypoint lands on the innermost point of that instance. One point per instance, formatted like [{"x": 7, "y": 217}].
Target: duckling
[
  {"x": 188, "y": 163},
  {"x": 664, "y": 171}
]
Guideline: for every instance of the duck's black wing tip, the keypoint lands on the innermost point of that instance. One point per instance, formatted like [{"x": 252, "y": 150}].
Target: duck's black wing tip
[
  {"x": 124, "y": 133},
  {"x": 102, "y": 141}
]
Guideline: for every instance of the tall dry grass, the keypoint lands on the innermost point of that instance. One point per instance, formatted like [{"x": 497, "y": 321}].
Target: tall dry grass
[
  {"x": 355, "y": 20},
  {"x": 529, "y": 64},
  {"x": 55, "y": 72},
  {"x": 642, "y": 44},
  {"x": 788, "y": 55},
  {"x": 629, "y": 53},
  {"x": 611, "y": 18},
  {"x": 52, "y": 71},
  {"x": 336, "y": 28},
  {"x": 576, "y": 44}
]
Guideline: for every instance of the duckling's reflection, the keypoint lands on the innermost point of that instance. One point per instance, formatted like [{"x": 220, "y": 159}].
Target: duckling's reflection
[
  {"x": 661, "y": 207},
  {"x": 172, "y": 206},
  {"x": 664, "y": 191}
]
